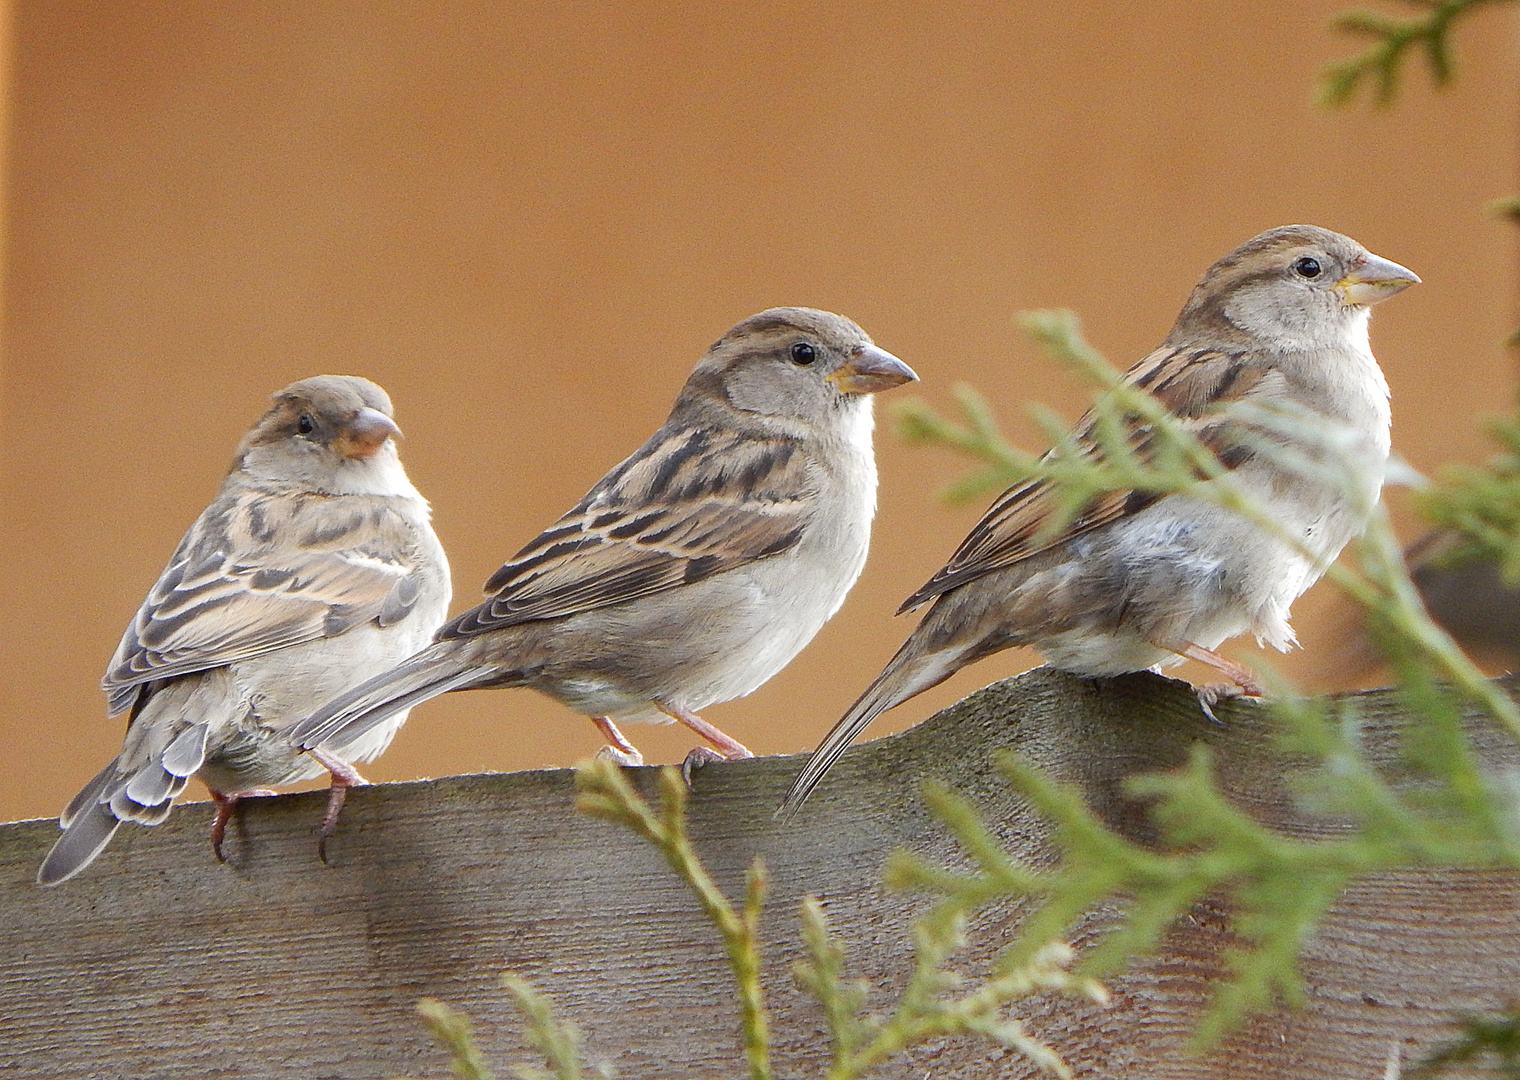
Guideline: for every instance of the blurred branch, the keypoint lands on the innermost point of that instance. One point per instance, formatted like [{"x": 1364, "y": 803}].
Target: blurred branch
[
  {"x": 1509, "y": 207},
  {"x": 1480, "y": 504},
  {"x": 975, "y": 433},
  {"x": 558, "y": 1040},
  {"x": 1491, "y": 1042},
  {"x": 453, "y": 1029},
  {"x": 1394, "y": 39}
]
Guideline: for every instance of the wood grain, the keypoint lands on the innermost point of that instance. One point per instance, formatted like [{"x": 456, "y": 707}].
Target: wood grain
[{"x": 159, "y": 963}]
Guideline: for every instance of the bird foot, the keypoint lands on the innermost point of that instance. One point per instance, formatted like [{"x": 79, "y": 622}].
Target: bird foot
[
  {"x": 697, "y": 758},
  {"x": 626, "y": 758},
  {"x": 1243, "y": 682},
  {"x": 344, "y": 776},
  {"x": 1211, "y": 694},
  {"x": 226, "y": 806},
  {"x": 618, "y": 749}
]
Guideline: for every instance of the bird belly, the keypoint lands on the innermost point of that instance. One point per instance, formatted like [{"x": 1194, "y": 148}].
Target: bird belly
[
  {"x": 1186, "y": 571},
  {"x": 702, "y": 644},
  {"x": 248, "y": 750}
]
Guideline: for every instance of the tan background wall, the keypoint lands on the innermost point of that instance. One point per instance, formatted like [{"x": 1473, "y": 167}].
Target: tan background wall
[{"x": 528, "y": 221}]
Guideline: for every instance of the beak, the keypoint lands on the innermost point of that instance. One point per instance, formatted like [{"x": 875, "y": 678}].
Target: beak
[
  {"x": 871, "y": 370},
  {"x": 366, "y": 433},
  {"x": 1373, "y": 281}
]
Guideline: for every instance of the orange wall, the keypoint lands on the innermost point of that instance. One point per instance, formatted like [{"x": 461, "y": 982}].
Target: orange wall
[{"x": 528, "y": 221}]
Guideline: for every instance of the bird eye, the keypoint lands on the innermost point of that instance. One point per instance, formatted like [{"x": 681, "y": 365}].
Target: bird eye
[
  {"x": 306, "y": 425},
  {"x": 1307, "y": 267},
  {"x": 803, "y": 353}
]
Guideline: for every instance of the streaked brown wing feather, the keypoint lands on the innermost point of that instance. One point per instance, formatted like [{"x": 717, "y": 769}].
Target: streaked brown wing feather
[
  {"x": 259, "y": 572},
  {"x": 1194, "y": 383},
  {"x": 692, "y": 502}
]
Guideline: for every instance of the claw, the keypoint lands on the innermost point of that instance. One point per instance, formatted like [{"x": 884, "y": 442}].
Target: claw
[
  {"x": 1211, "y": 694},
  {"x": 621, "y": 757},
  {"x": 618, "y": 749},
  {"x": 226, "y": 806},
  {"x": 698, "y": 757},
  {"x": 344, "y": 776}
]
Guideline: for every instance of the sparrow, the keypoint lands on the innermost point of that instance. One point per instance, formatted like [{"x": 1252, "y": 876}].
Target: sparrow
[
  {"x": 314, "y": 568},
  {"x": 1140, "y": 580},
  {"x": 694, "y": 570}
]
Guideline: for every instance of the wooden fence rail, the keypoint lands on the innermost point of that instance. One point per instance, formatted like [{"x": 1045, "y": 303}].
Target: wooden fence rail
[{"x": 160, "y": 963}]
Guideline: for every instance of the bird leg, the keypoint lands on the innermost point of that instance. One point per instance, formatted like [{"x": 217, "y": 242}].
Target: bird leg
[
  {"x": 1243, "y": 682},
  {"x": 618, "y": 748},
  {"x": 726, "y": 748},
  {"x": 344, "y": 776},
  {"x": 226, "y": 806},
  {"x": 731, "y": 749}
]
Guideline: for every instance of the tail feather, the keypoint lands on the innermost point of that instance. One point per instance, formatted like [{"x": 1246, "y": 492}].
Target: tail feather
[
  {"x": 88, "y": 796},
  {"x": 187, "y": 753},
  {"x": 147, "y": 797},
  {"x": 907, "y": 674},
  {"x": 145, "y": 794},
  {"x": 147, "y": 787},
  {"x": 348, "y": 716},
  {"x": 85, "y": 837}
]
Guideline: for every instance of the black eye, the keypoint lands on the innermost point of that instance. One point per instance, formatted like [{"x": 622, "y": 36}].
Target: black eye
[
  {"x": 306, "y": 425},
  {"x": 803, "y": 353},
  {"x": 1307, "y": 267}
]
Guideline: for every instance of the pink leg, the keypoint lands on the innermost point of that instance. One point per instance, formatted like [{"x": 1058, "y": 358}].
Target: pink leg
[
  {"x": 1239, "y": 674},
  {"x": 618, "y": 748},
  {"x": 226, "y": 806},
  {"x": 1243, "y": 682},
  {"x": 344, "y": 776},
  {"x": 731, "y": 749}
]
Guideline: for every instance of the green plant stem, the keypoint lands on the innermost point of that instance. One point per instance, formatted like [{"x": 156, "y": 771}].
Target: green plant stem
[
  {"x": 1394, "y": 39},
  {"x": 452, "y": 1028},
  {"x": 604, "y": 792},
  {"x": 557, "y": 1040}
]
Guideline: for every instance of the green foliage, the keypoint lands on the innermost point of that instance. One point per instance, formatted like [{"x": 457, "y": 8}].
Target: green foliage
[
  {"x": 1481, "y": 505},
  {"x": 1443, "y": 812},
  {"x": 1490, "y": 1043},
  {"x": 558, "y": 1040},
  {"x": 605, "y": 793},
  {"x": 1393, "y": 39},
  {"x": 936, "y": 1001},
  {"x": 453, "y": 1029},
  {"x": 1509, "y": 207},
  {"x": 977, "y": 436},
  {"x": 930, "y": 1005}
]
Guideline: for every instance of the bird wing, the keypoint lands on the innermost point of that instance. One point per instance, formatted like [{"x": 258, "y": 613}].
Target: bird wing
[
  {"x": 260, "y": 571},
  {"x": 691, "y": 503},
  {"x": 1195, "y": 384}
]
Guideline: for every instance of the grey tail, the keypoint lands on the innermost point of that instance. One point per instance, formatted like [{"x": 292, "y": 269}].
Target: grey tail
[
  {"x": 349, "y": 715},
  {"x": 910, "y": 672},
  {"x": 86, "y": 837},
  {"x": 143, "y": 795}
]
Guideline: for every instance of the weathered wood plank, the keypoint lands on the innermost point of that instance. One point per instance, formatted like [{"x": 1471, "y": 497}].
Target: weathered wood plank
[{"x": 159, "y": 963}]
